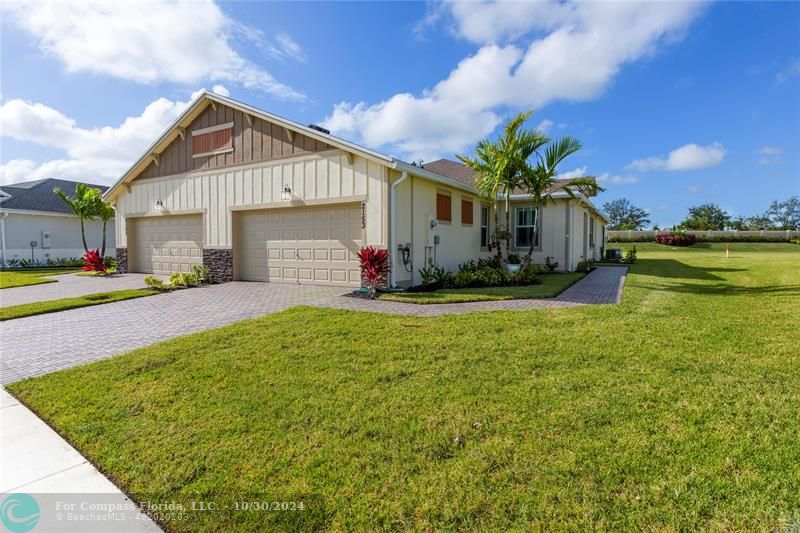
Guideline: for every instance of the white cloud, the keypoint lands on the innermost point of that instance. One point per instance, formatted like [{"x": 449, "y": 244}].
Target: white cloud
[
  {"x": 692, "y": 188},
  {"x": 606, "y": 177},
  {"x": 791, "y": 71},
  {"x": 687, "y": 157},
  {"x": 769, "y": 155},
  {"x": 99, "y": 155},
  {"x": 146, "y": 42},
  {"x": 553, "y": 51},
  {"x": 545, "y": 125},
  {"x": 572, "y": 174}
]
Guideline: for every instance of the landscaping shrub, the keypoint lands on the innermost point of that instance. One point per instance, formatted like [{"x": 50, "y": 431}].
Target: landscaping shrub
[
  {"x": 795, "y": 241},
  {"x": 374, "y": 268},
  {"x": 436, "y": 274},
  {"x": 482, "y": 277},
  {"x": 155, "y": 283},
  {"x": 551, "y": 266},
  {"x": 202, "y": 273},
  {"x": 93, "y": 261},
  {"x": 585, "y": 266},
  {"x": 527, "y": 275},
  {"x": 630, "y": 256},
  {"x": 677, "y": 238},
  {"x": 182, "y": 280}
]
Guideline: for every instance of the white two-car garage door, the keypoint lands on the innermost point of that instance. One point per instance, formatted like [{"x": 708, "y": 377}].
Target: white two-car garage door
[
  {"x": 160, "y": 245},
  {"x": 311, "y": 245}
]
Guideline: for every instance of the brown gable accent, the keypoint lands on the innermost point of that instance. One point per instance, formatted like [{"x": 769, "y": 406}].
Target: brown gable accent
[{"x": 254, "y": 140}]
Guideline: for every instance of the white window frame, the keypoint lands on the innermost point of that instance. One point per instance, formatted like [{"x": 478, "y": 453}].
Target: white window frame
[
  {"x": 536, "y": 225},
  {"x": 484, "y": 227}
]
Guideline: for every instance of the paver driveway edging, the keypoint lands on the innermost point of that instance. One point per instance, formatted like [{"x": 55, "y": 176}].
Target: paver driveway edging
[{"x": 44, "y": 343}]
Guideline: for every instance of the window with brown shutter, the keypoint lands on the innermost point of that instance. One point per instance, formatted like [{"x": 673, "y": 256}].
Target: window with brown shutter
[
  {"x": 212, "y": 140},
  {"x": 443, "y": 208},
  {"x": 466, "y": 212}
]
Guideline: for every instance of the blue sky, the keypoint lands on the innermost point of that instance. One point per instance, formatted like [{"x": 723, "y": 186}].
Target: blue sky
[{"x": 676, "y": 103}]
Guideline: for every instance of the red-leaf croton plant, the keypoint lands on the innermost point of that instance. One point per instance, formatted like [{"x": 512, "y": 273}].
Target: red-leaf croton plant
[
  {"x": 93, "y": 261},
  {"x": 374, "y": 268}
]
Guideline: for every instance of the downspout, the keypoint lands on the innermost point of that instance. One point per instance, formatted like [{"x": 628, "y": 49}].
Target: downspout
[
  {"x": 393, "y": 227},
  {"x": 3, "y": 239}
]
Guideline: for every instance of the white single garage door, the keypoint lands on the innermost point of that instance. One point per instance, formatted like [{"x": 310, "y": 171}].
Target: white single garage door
[
  {"x": 301, "y": 245},
  {"x": 161, "y": 245}
]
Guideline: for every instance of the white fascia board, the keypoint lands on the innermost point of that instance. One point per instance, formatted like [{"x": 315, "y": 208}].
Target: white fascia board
[
  {"x": 38, "y": 213},
  {"x": 432, "y": 176}
]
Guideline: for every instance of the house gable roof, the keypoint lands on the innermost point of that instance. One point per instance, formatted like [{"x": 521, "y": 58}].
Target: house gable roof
[
  {"x": 38, "y": 195},
  {"x": 207, "y": 98}
]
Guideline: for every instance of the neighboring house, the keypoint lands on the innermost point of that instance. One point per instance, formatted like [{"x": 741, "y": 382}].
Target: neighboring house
[
  {"x": 254, "y": 196},
  {"x": 36, "y": 224}
]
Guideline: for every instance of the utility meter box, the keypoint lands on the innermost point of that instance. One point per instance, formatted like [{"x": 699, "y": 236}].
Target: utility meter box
[{"x": 46, "y": 239}]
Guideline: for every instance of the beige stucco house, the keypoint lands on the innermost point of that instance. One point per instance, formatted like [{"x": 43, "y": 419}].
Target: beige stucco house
[{"x": 256, "y": 197}]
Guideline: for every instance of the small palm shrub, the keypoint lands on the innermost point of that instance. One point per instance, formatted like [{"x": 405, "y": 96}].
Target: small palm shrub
[
  {"x": 584, "y": 266},
  {"x": 551, "y": 266}
]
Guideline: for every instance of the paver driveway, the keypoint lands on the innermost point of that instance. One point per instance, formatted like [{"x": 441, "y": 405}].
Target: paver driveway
[
  {"x": 70, "y": 286},
  {"x": 44, "y": 343}
]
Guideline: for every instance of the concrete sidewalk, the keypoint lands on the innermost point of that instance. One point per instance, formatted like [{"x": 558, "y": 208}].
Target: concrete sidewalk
[{"x": 35, "y": 460}]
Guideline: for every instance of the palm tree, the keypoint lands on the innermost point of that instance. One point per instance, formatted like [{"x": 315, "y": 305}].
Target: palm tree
[
  {"x": 84, "y": 205},
  {"x": 105, "y": 212},
  {"x": 538, "y": 180},
  {"x": 499, "y": 167}
]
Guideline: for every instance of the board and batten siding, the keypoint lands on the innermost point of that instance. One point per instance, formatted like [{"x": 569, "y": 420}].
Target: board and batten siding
[
  {"x": 254, "y": 140},
  {"x": 314, "y": 177}
]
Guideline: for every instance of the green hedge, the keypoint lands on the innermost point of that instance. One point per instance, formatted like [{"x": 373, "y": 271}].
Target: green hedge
[{"x": 703, "y": 239}]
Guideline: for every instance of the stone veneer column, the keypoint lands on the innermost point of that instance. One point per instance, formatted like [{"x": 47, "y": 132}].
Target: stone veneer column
[
  {"x": 219, "y": 262},
  {"x": 122, "y": 260}
]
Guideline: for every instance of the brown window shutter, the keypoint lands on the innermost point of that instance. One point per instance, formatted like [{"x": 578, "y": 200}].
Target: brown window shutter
[
  {"x": 212, "y": 141},
  {"x": 466, "y": 212},
  {"x": 443, "y": 208}
]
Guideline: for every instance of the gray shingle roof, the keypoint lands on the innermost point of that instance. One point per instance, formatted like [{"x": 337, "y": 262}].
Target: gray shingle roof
[
  {"x": 464, "y": 174},
  {"x": 39, "y": 196}
]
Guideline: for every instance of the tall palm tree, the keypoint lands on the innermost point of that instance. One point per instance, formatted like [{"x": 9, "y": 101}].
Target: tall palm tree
[
  {"x": 84, "y": 205},
  {"x": 499, "y": 167},
  {"x": 538, "y": 179},
  {"x": 105, "y": 212}
]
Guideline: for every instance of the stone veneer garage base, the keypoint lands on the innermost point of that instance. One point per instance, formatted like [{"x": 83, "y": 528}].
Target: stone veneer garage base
[
  {"x": 219, "y": 262},
  {"x": 122, "y": 260}
]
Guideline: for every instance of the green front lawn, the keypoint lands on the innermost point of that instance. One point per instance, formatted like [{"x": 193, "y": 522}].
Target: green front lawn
[
  {"x": 552, "y": 285},
  {"x": 53, "y": 306},
  {"x": 30, "y": 276},
  {"x": 675, "y": 410}
]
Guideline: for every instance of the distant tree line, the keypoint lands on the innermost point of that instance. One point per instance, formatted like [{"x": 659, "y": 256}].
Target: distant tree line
[{"x": 781, "y": 216}]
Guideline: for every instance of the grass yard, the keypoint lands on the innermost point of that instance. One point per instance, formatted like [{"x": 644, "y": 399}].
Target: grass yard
[
  {"x": 675, "y": 410},
  {"x": 31, "y": 276},
  {"x": 52, "y": 306},
  {"x": 552, "y": 285}
]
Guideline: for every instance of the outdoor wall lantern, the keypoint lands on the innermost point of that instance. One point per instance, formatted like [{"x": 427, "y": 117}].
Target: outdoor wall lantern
[
  {"x": 286, "y": 195},
  {"x": 159, "y": 206}
]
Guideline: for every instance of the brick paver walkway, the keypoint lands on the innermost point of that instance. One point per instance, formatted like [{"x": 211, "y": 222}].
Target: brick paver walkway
[
  {"x": 70, "y": 286},
  {"x": 44, "y": 343}
]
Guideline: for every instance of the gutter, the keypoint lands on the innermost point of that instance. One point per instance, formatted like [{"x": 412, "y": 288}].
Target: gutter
[{"x": 393, "y": 227}]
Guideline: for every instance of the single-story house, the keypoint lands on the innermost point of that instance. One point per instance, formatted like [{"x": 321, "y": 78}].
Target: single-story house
[
  {"x": 37, "y": 225},
  {"x": 254, "y": 196}
]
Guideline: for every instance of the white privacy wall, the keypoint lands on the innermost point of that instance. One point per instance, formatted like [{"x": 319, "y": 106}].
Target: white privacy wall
[{"x": 316, "y": 177}]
